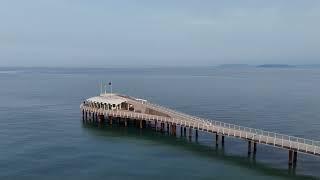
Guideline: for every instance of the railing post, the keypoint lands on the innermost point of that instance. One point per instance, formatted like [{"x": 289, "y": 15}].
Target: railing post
[{"x": 290, "y": 142}]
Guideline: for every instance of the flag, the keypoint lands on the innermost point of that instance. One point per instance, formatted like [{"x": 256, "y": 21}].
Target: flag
[{"x": 110, "y": 83}]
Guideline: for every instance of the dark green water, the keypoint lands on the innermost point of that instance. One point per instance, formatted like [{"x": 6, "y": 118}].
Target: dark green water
[{"x": 42, "y": 135}]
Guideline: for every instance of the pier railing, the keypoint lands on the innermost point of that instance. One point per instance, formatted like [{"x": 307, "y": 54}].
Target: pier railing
[
  {"x": 257, "y": 135},
  {"x": 294, "y": 142}
]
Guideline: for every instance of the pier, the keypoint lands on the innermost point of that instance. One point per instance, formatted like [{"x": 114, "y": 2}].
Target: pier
[{"x": 125, "y": 110}]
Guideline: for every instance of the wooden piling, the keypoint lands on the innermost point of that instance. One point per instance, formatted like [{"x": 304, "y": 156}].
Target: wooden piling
[
  {"x": 295, "y": 156},
  {"x": 222, "y": 140},
  {"x": 101, "y": 118},
  {"x": 290, "y": 157},
  {"x": 197, "y": 135},
  {"x": 155, "y": 125},
  {"x": 110, "y": 120},
  {"x": 190, "y": 132},
  {"x": 83, "y": 115},
  {"x": 173, "y": 129},
  {"x": 249, "y": 147},
  {"x": 217, "y": 139}
]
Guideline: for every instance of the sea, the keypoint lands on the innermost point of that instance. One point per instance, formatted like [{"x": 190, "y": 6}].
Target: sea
[{"x": 42, "y": 135}]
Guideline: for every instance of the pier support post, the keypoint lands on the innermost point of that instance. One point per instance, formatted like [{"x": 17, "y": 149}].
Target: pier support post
[
  {"x": 125, "y": 122},
  {"x": 190, "y": 133},
  {"x": 181, "y": 131},
  {"x": 295, "y": 155},
  {"x": 222, "y": 140},
  {"x": 155, "y": 125},
  {"x": 185, "y": 131},
  {"x": 140, "y": 124},
  {"x": 101, "y": 118},
  {"x": 110, "y": 120},
  {"x": 217, "y": 139},
  {"x": 254, "y": 148},
  {"x": 92, "y": 117},
  {"x": 168, "y": 128},
  {"x": 290, "y": 157},
  {"x": 249, "y": 147},
  {"x": 174, "y": 130},
  {"x": 197, "y": 134},
  {"x": 144, "y": 124}
]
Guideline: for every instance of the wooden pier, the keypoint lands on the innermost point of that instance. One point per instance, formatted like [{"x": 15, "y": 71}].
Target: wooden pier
[{"x": 143, "y": 114}]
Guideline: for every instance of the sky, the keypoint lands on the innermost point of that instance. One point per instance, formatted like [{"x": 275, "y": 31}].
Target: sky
[{"x": 108, "y": 33}]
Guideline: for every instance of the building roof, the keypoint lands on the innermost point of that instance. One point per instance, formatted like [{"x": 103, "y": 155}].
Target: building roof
[{"x": 108, "y": 99}]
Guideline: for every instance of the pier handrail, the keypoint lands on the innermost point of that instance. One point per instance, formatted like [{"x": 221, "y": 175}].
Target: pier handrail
[{"x": 256, "y": 132}]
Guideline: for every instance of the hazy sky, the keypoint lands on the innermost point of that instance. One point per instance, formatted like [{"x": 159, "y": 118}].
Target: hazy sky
[{"x": 163, "y": 32}]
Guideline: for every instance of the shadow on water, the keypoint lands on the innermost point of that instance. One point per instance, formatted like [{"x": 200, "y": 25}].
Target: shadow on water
[{"x": 194, "y": 147}]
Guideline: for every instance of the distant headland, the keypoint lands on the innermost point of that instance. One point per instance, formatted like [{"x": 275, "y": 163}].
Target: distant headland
[
  {"x": 234, "y": 65},
  {"x": 276, "y": 66}
]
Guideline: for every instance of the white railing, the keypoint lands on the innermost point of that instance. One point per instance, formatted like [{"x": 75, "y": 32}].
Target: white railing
[
  {"x": 258, "y": 135},
  {"x": 298, "y": 142}
]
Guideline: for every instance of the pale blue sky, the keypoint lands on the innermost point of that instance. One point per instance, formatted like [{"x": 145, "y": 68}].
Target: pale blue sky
[{"x": 101, "y": 33}]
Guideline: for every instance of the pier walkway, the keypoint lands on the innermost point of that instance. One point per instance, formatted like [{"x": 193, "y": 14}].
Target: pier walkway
[{"x": 128, "y": 108}]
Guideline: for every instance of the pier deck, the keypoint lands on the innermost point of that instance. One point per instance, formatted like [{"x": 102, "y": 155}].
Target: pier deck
[{"x": 159, "y": 115}]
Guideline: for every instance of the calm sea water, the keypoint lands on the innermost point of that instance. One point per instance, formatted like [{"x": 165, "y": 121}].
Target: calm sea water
[{"x": 42, "y": 135}]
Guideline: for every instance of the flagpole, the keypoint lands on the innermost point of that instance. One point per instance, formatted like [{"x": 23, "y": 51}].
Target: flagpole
[
  {"x": 100, "y": 88},
  {"x": 110, "y": 84},
  {"x": 111, "y": 88}
]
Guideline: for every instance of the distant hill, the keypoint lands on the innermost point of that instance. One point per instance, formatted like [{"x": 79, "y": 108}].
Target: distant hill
[
  {"x": 276, "y": 66},
  {"x": 234, "y": 65}
]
